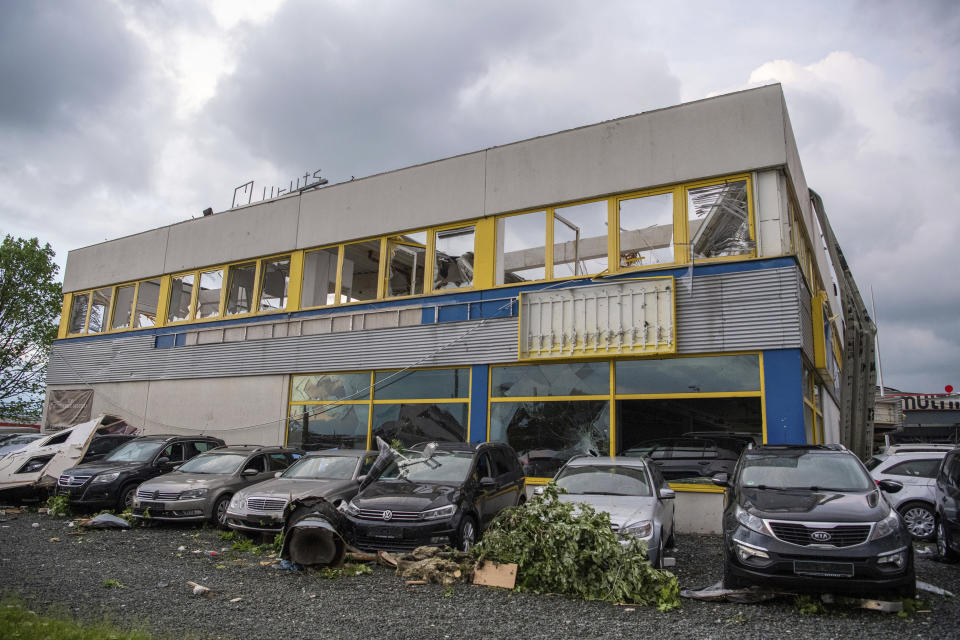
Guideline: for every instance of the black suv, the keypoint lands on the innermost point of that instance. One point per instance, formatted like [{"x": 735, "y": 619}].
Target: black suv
[
  {"x": 438, "y": 494},
  {"x": 691, "y": 457},
  {"x": 112, "y": 481},
  {"x": 947, "y": 499},
  {"x": 810, "y": 518}
]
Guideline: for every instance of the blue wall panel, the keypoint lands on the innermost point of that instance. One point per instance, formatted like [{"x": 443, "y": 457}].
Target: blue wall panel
[
  {"x": 478, "y": 403},
  {"x": 783, "y": 392}
]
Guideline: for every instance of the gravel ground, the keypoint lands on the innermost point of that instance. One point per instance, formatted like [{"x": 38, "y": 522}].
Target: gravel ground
[{"x": 70, "y": 574}]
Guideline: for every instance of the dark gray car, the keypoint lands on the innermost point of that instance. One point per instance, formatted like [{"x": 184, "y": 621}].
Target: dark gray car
[
  {"x": 334, "y": 475},
  {"x": 202, "y": 487}
]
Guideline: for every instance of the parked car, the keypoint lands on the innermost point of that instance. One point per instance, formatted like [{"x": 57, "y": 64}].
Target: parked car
[
  {"x": 18, "y": 441},
  {"x": 112, "y": 481},
  {"x": 632, "y": 491},
  {"x": 947, "y": 496},
  {"x": 691, "y": 457},
  {"x": 916, "y": 470},
  {"x": 439, "y": 494},
  {"x": 31, "y": 472},
  {"x": 202, "y": 487},
  {"x": 810, "y": 518},
  {"x": 333, "y": 475}
]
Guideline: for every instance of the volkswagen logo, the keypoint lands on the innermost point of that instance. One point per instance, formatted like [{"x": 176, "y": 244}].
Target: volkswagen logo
[
  {"x": 821, "y": 536},
  {"x": 387, "y": 515}
]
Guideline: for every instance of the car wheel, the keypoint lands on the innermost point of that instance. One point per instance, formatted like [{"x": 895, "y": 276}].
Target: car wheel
[
  {"x": 467, "y": 533},
  {"x": 920, "y": 520},
  {"x": 218, "y": 515},
  {"x": 658, "y": 561},
  {"x": 672, "y": 539},
  {"x": 944, "y": 552},
  {"x": 125, "y": 501}
]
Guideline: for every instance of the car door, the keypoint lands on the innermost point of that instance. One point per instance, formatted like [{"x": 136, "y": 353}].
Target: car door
[
  {"x": 509, "y": 477},
  {"x": 261, "y": 465},
  {"x": 485, "y": 493},
  {"x": 918, "y": 478}
]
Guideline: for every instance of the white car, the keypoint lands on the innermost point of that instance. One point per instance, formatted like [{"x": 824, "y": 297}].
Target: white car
[
  {"x": 915, "y": 466},
  {"x": 632, "y": 491}
]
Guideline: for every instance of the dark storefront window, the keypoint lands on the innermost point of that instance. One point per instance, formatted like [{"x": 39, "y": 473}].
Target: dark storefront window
[
  {"x": 313, "y": 427},
  {"x": 421, "y": 422}
]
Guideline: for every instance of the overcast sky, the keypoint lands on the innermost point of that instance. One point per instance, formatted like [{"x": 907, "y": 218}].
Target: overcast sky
[{"x": 117, "y": 117}]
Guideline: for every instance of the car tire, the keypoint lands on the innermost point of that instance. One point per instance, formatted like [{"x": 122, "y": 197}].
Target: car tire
[
  {"x": 920, "y": 519},
  {"x": 731, "y": 581},
  {"x": 125, "y": 499},
  {"x": 944, "y": 552},
  {"x": 672, "y": 539},
  {"x": 658, "y": 563},
  {"x": 218, "y": 515},
  {"x": 466, "y": 533}
]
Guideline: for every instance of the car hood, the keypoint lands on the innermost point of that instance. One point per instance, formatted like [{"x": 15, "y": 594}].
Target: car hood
[
  {"x": 101, "y": 466},
  {"x": 623, "y": 510},
  {"x": 296, "y": 488},
  {"x": 399, "y": 495},
  {"x": 820, "y": 506},
  {"x": 175, "y": 480}
]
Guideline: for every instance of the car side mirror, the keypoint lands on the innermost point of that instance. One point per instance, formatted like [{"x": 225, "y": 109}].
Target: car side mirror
[
  {"x": 278, "y": 474},
  {"x": 721, "y": 480},
  {"x": 249, "y": 472},
  {"x": 163, "y": 461},
  {"x": 487, "y": 482},
  {"x": 538, "y": 491},
  {"x": 890, "y": 486},
  {"x": 361, "y": 478},
  {"x": 667, "y": 494}
]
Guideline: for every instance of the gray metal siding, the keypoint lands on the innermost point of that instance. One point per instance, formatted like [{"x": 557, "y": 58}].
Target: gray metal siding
[{"x": 743, "y": 311}]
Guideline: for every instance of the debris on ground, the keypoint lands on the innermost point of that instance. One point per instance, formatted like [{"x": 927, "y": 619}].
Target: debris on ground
[
  {"x": 200, "y": 590},
  {"x": 234, "y": 600},
  {"x": 494, "y": 574},
  {"x": 313, "y": 534},
  {"x": 431, "y": 564},
  {"x": 717, "y": 593},
  {"x": 105, "y": 521},
  {"x": 926, "y": 586}
]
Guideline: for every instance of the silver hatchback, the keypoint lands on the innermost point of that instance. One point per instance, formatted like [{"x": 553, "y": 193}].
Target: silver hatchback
[{"x": 916, "y": 468}]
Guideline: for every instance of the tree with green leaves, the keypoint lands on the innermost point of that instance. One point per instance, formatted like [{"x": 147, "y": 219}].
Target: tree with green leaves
[{"x": 30, "y": 299}]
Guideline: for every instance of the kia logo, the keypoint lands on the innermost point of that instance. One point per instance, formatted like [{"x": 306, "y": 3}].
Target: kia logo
[
  {"x": 821, "y": 536},
  {"x": 387, "y": 515}
]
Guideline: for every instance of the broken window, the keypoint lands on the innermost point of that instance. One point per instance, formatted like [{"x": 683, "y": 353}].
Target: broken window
[
  {"x": 208, "y": 294},
  {"x": 78, "y": 312},
  {"x": 319, "y": 277},
  {"x": 406, "y": 256},
  {"x": 122, "y": 307},
  {"x": 545, "y": 434},
  {"x": 330, "y": 387},
  {"x": 521, "y": 248},
  {"x": 181, "y": 294},
  {"x": 706, "y": 374},
  {"x": 719, "y": 220},
  {"x": 275, "y": 283},
  {"x": 240, "y": 280},
  {"x": 424, "y": 383},
  {"x": 148, "y": 296},
  {"x": 528, "y": 381},
  {"x": 580, "y": 239},
  {"x": 361, "y": 271},
  {"x": 646, "y": 230},
  {"x": 99, "y": 309},
  {"x": 453, "y": 258},
  {"x": 317, "y": 426},
  {"x": 411, "y": 423}
]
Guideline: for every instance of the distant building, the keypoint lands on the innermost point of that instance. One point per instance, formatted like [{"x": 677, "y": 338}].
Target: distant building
[
  {"x": 917, "y": 417},
  {"x": 580, "y": 292}
]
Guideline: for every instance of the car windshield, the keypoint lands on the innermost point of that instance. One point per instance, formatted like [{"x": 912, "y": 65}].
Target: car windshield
[
  {"x": 316, "y": 467},
  {"x": 609, "y": 480},
  {"x": 214, "y": 463},
  {"x": 134, "y": 451},
  {"x": 24, "y": 439},
  {"x": 804, "y": 470},
  {"x": 441, "y": 468},
  {"x": 874, "y": 462}
]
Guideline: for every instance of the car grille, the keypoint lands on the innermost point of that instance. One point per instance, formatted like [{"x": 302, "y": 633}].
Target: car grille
[
  {"x": 395, "y": 516},
  {"x": 146, "y": 494},
  {"x": 841, "y": 535},
  {"x": 376, "y": 544},
  {"x": 72, "y": 481},
  {"x": 266, "y": 504}
]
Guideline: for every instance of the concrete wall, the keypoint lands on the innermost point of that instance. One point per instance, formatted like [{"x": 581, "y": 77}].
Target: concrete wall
[
  {"x": 699, "y": 512},
  {"x": 773, "y": 214},
  {"x": 738, "y": 132}
]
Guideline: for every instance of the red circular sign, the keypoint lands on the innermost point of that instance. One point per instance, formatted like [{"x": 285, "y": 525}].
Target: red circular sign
[{"x": 948, "y": 388}]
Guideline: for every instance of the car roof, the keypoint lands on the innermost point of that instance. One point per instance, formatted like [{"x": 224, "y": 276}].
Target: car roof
[
  {"x": 251, "y": 448},
  {"x": 454, "y": 447},
  {"x": 621, "y": 461},
  {"x": 798, "y": 448},
  {"x": 166, "y": 437},
  {"x": 339, "y": 452},
  {"x": 919, "y": 448}
]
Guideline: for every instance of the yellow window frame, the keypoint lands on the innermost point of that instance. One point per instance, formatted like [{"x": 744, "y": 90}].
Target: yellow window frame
[{"x": 751, "y": 218}]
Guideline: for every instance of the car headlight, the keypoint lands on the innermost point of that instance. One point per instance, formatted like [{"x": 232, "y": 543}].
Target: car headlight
[
  {"x": 439, "y": 512},
  {"x": 189, "y": 494},
  {"x": 236, "y": 502},
  {"x": 640, "y": 529},
  {"x": 888, "y": 526},
  {"x": 103, "y": 478},
  {"x": 350, "y": 508},
  {"x": 751, "y": 521}
]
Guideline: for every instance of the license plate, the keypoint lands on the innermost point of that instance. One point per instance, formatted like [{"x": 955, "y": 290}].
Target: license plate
[
  {"x": 151, "y": 505},
  {"x": 824, "y": 569},
  {"x": 383, "y": 532}
]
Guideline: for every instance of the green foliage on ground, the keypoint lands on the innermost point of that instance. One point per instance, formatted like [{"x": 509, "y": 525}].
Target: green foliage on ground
[
  {"x": 18, "y": 622},
  {"x": 245, "y": 544},
  {"x": 30, "y": 300},
  {"x": 58, "y": 506},
  {"x": 570, "y": 549},
  {"x": 809, "y": 605},
  {"x": 346, "y": 571}
]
